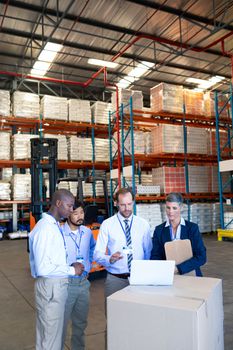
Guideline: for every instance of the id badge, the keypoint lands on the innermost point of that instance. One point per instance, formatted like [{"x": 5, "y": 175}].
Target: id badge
[
  {"x": 80, "y": 259},
  {"x": 127, "y": 250}
]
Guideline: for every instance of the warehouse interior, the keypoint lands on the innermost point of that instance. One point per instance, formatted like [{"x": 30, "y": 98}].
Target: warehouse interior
[{"x": 137, "y": 93}]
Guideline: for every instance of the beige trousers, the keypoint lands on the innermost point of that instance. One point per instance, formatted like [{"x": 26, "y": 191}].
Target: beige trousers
[{"x": 50, "y": 298}]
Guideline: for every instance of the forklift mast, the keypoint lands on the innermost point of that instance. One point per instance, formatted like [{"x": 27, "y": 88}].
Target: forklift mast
[{"x": 43, "y": 160}]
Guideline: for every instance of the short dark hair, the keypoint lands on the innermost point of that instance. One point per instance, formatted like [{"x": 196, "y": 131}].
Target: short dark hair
[
  {"x": 61, "y": 194},
  {"x": 174, "y": 197},
  {"x": 123, "y": 191},
  {"x": 78, "y": 204}
]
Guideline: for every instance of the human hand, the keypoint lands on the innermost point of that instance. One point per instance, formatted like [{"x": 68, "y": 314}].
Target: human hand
[
  {"x": 115, "y": 257},
  {"x": 78, "y": 267}
]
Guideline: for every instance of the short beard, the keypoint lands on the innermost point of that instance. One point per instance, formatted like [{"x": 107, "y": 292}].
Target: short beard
[{"x": 77, "y": 224}]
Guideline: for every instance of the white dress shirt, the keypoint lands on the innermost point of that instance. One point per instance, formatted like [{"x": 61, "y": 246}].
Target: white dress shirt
[
  {"x": 47, "y": 250},
  {"x": 79, "y": 243},
  {"x": 112, "y": 237}
]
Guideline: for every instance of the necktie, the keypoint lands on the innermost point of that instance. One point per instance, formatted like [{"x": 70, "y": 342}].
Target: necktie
[{"x": 128, "y": 242}]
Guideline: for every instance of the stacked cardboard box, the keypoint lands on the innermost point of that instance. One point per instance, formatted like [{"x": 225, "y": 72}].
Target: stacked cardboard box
[
  {"x": 201, "y": 214},
  {"x": 53, "y": 107},
  {"x": 170, "y": 179},
  {"x": 79, "y": 110},
  {"x": 100, "y": 112},
  {"x": 199, "y": 179},
  {"x": 6, "y": 174},
  {"x": 209, "y": 104},
  {"x": 5, "y": 146},
  {"x": 26, "y": 105},
  {"x": 223, "y": 138},
  {"x": 62, "y": 148},
  {"x": 214, "y": 180},
  {"x": 22, "y": 146},
  {"x": 166, "y": 98},
  {"x": 124, "y": 96},
  {"x": 194, "y": 102},
  {"x": 4, "y": 103},
  {"x": 228, "y": 220},
  {"x": 151, "y": 213},
  {"x": 170, "y": 139},
  {"x": 155, "y": 315}
]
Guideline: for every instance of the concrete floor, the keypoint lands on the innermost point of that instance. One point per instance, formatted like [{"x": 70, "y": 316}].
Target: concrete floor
[{"x": 17, "y": 321}]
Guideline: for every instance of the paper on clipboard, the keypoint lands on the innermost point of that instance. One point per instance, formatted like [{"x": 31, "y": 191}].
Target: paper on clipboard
[{"x": 179, "y": 250}]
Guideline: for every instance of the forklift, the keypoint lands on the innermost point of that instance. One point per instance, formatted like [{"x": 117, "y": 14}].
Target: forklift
[{"x": 44, "y": 161}]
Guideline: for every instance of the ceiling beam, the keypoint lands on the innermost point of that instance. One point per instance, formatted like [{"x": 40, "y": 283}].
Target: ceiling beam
[
  {"x": 38, "y": 37},
  {"x": 92, "y": 70},
  {"x": 180, "y": 13},
  {"x": 145, "y": 3}
]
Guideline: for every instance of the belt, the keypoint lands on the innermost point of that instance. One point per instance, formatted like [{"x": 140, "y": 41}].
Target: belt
[{"x": 120, "y": 275}]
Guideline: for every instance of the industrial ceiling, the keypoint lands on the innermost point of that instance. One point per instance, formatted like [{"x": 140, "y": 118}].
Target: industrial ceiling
[{"x": 185, "y": 38}]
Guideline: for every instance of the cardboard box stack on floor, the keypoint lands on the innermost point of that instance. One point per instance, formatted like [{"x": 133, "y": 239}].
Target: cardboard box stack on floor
[{"x": 185, "y": 316}]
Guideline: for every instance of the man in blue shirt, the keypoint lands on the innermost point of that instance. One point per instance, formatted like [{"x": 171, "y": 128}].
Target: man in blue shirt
[{"x": 80, "y": 247}]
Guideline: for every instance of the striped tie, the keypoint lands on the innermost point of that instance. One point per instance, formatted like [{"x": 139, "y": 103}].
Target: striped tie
[{"x": 128, "y": 242}]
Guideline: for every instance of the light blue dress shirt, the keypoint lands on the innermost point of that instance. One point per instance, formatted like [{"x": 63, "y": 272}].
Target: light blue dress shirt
[
  {"x": 112, "y": 237},
  {"x": 47, "y": 250},
  {"x": 178, "y": 231},
  {"x": 80, "y": 242}
]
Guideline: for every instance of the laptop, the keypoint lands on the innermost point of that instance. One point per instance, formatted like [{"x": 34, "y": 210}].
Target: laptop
[{"x": 152, "y": 272}]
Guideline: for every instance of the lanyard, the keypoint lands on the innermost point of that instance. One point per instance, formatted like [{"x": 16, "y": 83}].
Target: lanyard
[
  {"x": 75, "y": 240},
  {"x": 60, "y": 229},
  {"x": 123, "y": 227}
]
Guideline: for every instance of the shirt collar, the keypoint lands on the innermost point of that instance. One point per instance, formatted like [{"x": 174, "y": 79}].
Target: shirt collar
[
  {"x": 182, "y": 222},
  {"x": 122, "y": 218},
  {"x": 49, "y": 217},
  {"x": 67, "y": 229}
]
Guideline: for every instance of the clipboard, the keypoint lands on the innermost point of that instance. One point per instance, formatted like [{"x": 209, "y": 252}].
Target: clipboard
[{"x": 179, "y": 250}]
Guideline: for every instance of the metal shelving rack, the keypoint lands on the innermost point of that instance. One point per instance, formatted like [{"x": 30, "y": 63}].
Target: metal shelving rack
[
  {"x": 134, "y": 119},
  {"x": 224, "y": 198}
]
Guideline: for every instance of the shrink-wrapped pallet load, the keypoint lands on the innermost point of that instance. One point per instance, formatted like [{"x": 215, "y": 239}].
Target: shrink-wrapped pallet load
[
  {"x": 79, "y": 110},
  {"x": 100, "y": 112},
  {"x": 21, "y": 184},
  {"x": 101, "y": 150},
  {"x": 6, "y": 174},
  {"x": 5, "y": 103},
  {"x": 62, "y": 148},
  {"x": 5, "y": 190},
  {"x": 54, "y": 107},
  {"x": 167, "y": 139},
  {"x": 199, "y": 179},
  {"x": 80, "y": 148},
  {"x": 26, "y": 104},
  {"x": 151, "y": 212},
  {"x": 166, "y": 98},
  {"x": 22, "y": 146},
  {"x": 5, "y": 145}
]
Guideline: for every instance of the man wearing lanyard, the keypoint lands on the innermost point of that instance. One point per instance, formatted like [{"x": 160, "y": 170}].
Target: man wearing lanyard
[
  {"x": 80, "y": 247},
  {"x": 126, "y": 237},
  {"x": 48, "y": 262}
]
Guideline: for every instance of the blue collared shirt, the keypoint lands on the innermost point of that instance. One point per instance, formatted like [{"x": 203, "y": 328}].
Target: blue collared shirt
[
  {"x": 178, "y": 231},
  {"x": 80, "y": 242},
  {"x": 112, "y": 237}
]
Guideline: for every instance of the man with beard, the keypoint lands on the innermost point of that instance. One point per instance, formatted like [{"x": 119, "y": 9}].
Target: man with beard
[
  {"x": 126, "y": 237},
  {"x": 80, "y": 247}
]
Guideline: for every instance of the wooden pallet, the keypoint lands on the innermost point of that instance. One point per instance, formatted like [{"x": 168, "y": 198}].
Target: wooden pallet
[{"x": 224, "y": 234}]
